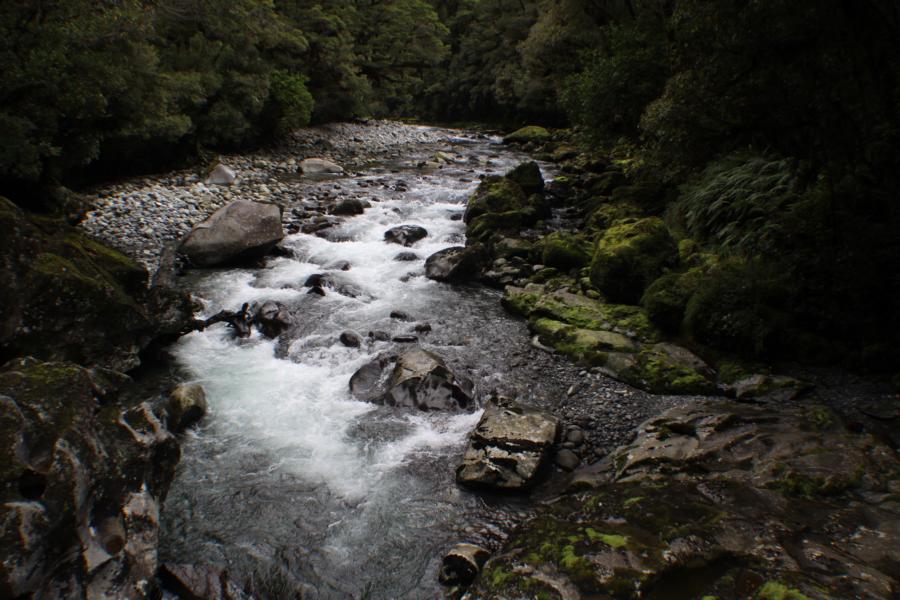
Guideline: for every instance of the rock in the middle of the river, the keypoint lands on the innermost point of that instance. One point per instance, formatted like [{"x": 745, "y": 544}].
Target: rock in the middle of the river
[{"x": 415, "y": 379}]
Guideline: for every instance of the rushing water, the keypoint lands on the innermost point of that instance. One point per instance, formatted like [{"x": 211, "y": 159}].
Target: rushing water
[{"x": 292, "y": 481}]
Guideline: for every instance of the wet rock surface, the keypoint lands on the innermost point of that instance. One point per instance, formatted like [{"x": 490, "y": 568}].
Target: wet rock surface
[
  {"x": 414, "y": 379},
  {"x": 508, "y": 447},
  {"x": 731, "y": 500},
  {"x": 81, "y": 484}
]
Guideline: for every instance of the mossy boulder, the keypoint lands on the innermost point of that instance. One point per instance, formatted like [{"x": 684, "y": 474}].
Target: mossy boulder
[
  {"x": 666, "y": 299},
  {"x": 495, "y": 195},
  {"x": 565, "y": 251},
  {"x": 604, "y": 214},
  {"x": 528, "y": 176},
  {"x": 631, "y": 255},
  {"x": 530, "y": 133},
  {"x": 67, "y": 297}
]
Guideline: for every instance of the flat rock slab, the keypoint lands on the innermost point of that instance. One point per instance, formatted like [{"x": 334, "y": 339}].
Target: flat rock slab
[
  {"x": 508, "y": 447},
  {"x": 237, "y": 231}
]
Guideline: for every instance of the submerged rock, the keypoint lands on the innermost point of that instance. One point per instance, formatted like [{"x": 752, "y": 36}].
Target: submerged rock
[
  {"x": 415, "y": 379},
  {"x": 350, "y": 339},
  {"x": 508, "y": 447},
  {"x": 406, "y": 257},
  {"x": 405, "y": 235},
  {"x": 238, "y": 231},
  {"x": 80, "y": 486}
]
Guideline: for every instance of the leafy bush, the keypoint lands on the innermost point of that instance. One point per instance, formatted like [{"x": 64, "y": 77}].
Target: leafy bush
[
  {"x": 291, "y": 100},
  {"x": 738, "y": 203}
]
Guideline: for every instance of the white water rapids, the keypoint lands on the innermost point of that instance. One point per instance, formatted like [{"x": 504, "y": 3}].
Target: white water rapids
[{"x": 292, "y": 480}]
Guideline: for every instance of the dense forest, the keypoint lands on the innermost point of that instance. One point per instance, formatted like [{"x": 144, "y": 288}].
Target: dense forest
[{"x": 766, "y": 130}]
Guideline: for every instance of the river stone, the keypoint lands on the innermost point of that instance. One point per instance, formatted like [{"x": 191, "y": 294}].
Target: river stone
[
  {"x": 186, "y": 406},
  {"x": 461, "y": 564},
  {"x": 406, "y": 257},
  {"x": 418, "y": 379},
  {"x": 316, "y": 166},
  {"x": 567, "y": 460},
  {"x": 770, "y": 387},
  {"x": 198, "y": 582},
  {"x": 272, "y": 319},
  {"x": 405, "y": 235},
  {"x": 350, "y": 339},
  {"x": 237, "y": 231},
  {"x": 349, "y": 207},
  {"x": 221, "y": 175},
  {"x": 508, "y": 447},
  {"x": 453, "y": 265}
]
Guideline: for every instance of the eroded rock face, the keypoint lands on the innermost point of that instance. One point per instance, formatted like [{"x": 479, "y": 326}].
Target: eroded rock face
[
  {"x": 508, "y": 447},
  {"x": 462, "y": 563},
  {"x": 739, "y": 500},
  {"x": 237, "y": 231},
  {"x": 80, "y": 485},
  {"x": 415, "y": 379}
]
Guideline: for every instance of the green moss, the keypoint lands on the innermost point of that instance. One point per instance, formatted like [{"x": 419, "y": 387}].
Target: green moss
[
  {"x": 773, "y": 590},
  {"x": 610, "y": 539},
  {"x": 500, "y": 577},
  {"x": 531, "y": 133},
  {"x": 665, "y": 300},
  {"x": 521, "y": 301},
  {"x": 632, "y": 501},
  {"x": 629, "y": 256},
  {"x": 606, "y": 214},
  {"x": 588, "y": 313},
  {"x": 565, "y": 251},
  {"x": 495, "y": 195},
  {"x": 658, "y": 372},
  {"x": 587, "y": 345}
]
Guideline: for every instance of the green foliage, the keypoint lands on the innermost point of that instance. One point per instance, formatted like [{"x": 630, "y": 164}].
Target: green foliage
[
  {"x": 737, "y": 203},
  {"x": 292, "y": 102}
]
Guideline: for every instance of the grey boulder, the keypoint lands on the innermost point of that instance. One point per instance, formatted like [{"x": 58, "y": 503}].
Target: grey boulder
[
  {"x": 414, "y": 379},
  {"x": 237, "y": 231},
  {"x": 453, "y": 265},
  {"x": 508, "y": 447},
  {"x": 186, "y": 406},
  {"x": 405, "y": 235}
]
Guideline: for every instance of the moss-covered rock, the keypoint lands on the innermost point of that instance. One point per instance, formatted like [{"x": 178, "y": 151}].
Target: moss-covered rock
[
  {"x": 565, "y": 251},
  {"x": 631, "y": 255},
  {"x": 530, "y": 133},
  {"x": 528, "y": 176},
  {"x": 67, "y": 297},
  {"x": 495, "y": 195},
  {"x": 666, "y": 299}
]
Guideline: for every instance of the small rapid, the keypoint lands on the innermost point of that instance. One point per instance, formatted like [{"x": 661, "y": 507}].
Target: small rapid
[{"x": 293, "y": 483}]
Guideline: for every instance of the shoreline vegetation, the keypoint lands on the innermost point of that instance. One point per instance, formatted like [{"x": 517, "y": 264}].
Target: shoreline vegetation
[{"x": 725, "y": 215}]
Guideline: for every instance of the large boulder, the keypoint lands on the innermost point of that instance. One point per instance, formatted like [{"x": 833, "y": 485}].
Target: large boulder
[
  {"x": 415, "y": 379},
  {"x": 528, "y": 176},
  {"x": 66, "y": 297},
  {"x": 81, "y": 482},
  {"x": 318, "y": 166},
  {"x": 238, "y": 231},
  {"x": 454, "y": 265},
  {"x": 508, "y": 447},
  {"x": 405, "y": 235},
  {"x": 630, "y": 256},
  {"x": 495, "y": 195}
]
